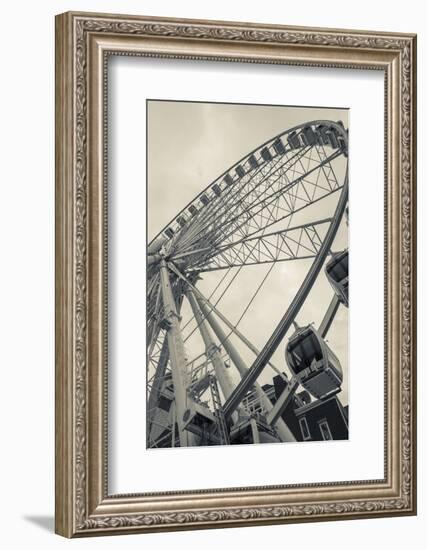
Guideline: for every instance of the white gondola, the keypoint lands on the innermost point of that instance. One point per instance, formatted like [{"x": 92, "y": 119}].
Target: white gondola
[
  {"x": 337, "y": 273},
  {"x": 313, "y": 363}
]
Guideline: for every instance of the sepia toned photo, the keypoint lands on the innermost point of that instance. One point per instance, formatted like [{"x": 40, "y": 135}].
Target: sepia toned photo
[{"x": 247, "y": 274}]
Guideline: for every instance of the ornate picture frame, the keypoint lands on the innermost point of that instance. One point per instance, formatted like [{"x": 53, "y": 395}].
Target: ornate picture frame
[{"x": 84, "y": 42}]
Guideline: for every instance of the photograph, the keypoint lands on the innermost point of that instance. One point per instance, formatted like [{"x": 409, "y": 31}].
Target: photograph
[{"x": 247, "y": 274}]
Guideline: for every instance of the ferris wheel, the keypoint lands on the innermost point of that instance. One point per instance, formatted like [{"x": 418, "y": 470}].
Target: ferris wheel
[{"x": 264, "y": 209}]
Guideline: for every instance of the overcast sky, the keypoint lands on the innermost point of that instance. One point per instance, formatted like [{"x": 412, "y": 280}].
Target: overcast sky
[{"x": 189, "y": 145}]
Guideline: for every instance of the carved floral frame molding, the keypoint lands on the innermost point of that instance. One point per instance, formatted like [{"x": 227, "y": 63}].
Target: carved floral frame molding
[{"x": 83, "y": 43}]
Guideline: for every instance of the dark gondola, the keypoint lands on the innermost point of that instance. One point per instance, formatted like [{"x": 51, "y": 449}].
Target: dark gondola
[
  {"x": 266, "y": 155},
  {"x": 169, "y": 232},
  {"x": 309, "y": 136},
  {"x": 228, "y": 179},
  {"x": 240, "y": 171},
  {"x": 253, "y": 163},
  {"x": 182, "y": 220},
  {"x": 279, "y": 147},
  {"x": 204, "y": 199},
  {"x": 192, "y": 209},
  {"x": 314, "y": 364},
  {"x": 337, "y": 273},
  {"x": 216, "y": 189},
  {"x": 294, "y": 141}
]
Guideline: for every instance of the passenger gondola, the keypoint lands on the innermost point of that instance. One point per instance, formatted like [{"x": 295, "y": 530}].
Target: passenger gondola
[
  {"x": 337, "y": 273},
  {"x": 313, "y": 363},
  {"x": 294, "y": 141},
  {"x": 240, "y": 171},
  {"x": 279, "y": 147},
  {"x": 333, "y": 138},
  {"x": 266, "y": 155},
  {"x": 216, "y": 189},
  {"x": 169, "y": 232},
  {"x": 228, "y": 179},
  {"x": 204, "y": 199},
  {"x": 182, "y": 220},
  {"x": 192, "y": 209},
  {"x": 253, "y": 163},
  {"x": 309, "y": 136}
]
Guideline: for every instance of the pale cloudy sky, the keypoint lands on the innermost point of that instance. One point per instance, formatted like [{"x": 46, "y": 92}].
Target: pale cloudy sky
[{"x": 189, "y": 145}]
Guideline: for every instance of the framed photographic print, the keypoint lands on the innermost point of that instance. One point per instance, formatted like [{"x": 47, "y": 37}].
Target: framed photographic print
[{"x": 235, "y": 274}]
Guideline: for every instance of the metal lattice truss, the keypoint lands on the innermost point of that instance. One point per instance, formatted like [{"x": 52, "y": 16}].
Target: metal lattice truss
[
  {"x": 260, "y": 199},
  {"x": 300, "y": 242}
]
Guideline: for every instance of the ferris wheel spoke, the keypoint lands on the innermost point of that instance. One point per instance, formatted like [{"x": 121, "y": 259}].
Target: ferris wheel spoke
[
  {"x": 249, "y": 193},
  {"x": 251, "y": 218},
  {"x": 294, "y": 243},
  {"x": 288, "y": 204},
  {"x": 201, "y": 255},
  {"x": 245, "y": 184},
  {"x": 215, "y": 214},
  {"x": 243, "y": 191}
]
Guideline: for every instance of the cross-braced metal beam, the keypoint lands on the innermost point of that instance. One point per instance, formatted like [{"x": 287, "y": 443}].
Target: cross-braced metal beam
[{"x": 299, "y": 242}]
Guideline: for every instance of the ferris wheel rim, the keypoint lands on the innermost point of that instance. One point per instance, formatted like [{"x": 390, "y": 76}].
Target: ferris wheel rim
[{"x": 336, "y": 125}]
